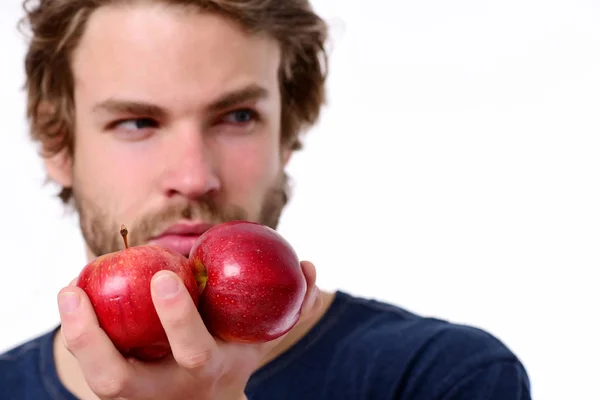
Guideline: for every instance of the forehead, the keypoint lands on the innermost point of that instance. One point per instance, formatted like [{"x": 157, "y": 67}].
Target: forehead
[{"x": 170, "y": 54}]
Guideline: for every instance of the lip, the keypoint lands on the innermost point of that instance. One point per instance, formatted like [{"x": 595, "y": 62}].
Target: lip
[{"x": 180, "y": 237}]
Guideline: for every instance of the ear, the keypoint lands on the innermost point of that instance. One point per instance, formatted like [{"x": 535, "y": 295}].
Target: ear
[{"x": 60, "y": 168}]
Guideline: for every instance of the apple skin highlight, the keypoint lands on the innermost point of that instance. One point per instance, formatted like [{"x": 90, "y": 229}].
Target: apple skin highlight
[
  {"x": 118, "y": 285},
  {"x": 255, "y": 285},
  {"x": 244, "y": 278}
]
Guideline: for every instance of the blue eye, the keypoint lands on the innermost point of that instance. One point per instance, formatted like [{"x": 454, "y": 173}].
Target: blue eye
[
  {"x": 134, "y": 129},
  {"x": 136, "y": 124},
  {"x": 240, "y": 116}
]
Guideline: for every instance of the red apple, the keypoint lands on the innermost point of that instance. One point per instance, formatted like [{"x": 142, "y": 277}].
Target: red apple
[
  {"x": 118, "y": 285},
  {"x": 255, "y": 285}
]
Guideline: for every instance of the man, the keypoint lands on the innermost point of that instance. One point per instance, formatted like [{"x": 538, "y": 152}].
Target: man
[{"x": 177, "y": 113}]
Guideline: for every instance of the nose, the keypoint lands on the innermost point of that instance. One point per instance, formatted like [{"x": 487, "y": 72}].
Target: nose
[{"x": 190, "y": 170}]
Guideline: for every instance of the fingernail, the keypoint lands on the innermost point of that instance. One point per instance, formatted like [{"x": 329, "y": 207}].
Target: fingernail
[
  {"x": 166, "y": 286},
  {"x": 68, "y": 302},
  {"x": 316, "y": 300}
]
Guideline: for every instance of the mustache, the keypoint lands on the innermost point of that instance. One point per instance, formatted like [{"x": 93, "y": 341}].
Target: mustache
[{"x": 205, "y": 211}]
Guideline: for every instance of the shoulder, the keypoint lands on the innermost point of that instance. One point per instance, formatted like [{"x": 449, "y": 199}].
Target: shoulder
[
  {"x": 424, "y": 357},
  {"x": 21, "y": 368},
  {"x": 15, "y": 360}
]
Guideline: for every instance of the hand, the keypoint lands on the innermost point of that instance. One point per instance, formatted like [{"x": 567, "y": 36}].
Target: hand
[{"x": 200, "y": 367}]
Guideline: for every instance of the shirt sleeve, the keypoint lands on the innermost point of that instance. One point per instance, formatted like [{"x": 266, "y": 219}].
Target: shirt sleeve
[
  {"x": 496, "y": 381},
  {"x": 466, "y": 363}
]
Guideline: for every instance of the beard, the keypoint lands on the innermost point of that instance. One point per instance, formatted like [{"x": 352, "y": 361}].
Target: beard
[{"x": 101, "y": 232}]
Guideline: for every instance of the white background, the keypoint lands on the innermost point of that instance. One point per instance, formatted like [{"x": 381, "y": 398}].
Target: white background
[{"x": 455, "y": 172}]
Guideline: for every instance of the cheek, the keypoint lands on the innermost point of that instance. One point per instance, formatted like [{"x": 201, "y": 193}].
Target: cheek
[
  {"x": 248, "y": 172},
  {"x": 112, "y": 173}
]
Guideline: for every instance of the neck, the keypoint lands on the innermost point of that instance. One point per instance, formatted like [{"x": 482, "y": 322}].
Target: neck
[{"x": 72, "y": 377}]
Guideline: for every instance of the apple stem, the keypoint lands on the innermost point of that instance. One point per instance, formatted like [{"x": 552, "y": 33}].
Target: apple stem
[{"x": 124, "y": 235}]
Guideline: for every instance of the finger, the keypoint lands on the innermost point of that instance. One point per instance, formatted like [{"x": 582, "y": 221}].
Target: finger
[
  {"x": 313, "y": 300},
  {"x": 106, "y": 371},
  {"x": 191, "y": 344}
]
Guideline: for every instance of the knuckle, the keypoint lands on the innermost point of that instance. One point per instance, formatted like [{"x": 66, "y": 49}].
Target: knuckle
[
  {"x": 176, "y": 321},
  {"x": 195, "y": 359},
  {"x": 77, "y": 340},
  {"x": 113, "y": 386},
  {"x": 176, "y": 316}
]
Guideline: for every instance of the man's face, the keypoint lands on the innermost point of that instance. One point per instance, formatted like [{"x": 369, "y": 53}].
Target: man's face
[{"x": 177, "y": 122}]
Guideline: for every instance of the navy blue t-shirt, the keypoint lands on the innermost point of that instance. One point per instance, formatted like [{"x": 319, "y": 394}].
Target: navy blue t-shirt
[{"x": 361, "y": 349}]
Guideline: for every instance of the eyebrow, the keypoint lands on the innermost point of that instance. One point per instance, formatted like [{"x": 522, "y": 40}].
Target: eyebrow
[
  {"x": 115, "y": 106},
  {"x": 228, "y": 100},
  {"x": 231, "y": 99}
]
